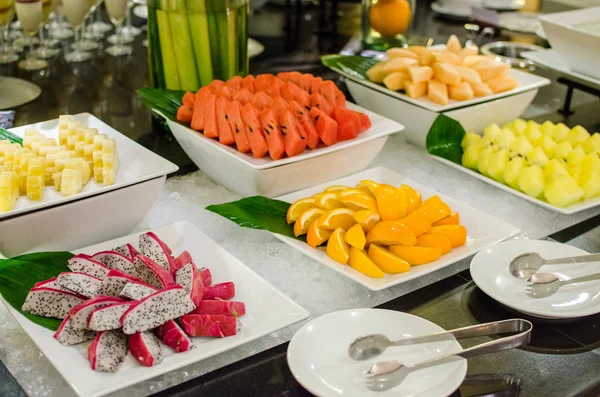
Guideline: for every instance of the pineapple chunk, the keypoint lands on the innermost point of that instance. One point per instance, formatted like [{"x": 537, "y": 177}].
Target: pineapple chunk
[
  {"x": 577, "y": 135},
  {"x": 9, "y": 190},
  {"x": 109, "y": 145},
  {"x": 50, "y": 171},
  {"x": 35, "y": 187},
  {"x": 560, "y": 132},
  {"x": 469, "y": 139},
  {"x": 590, "y": 162},
  {"x": 562, "y": 150},
  {"x": 45, "y": 150},
  {"x": 63, "y": 134},
  {"x": 98, "y": 139},
  {"x": 548, "y": 146},
  {"x": 72, "y": 127},
  {"x": 80, "y": 132},
  {"x": 86, "y": 172},
  {"x": 589, "y": 181},
  {"x": 547, "y": 129},
  {"x": 30, "y": 131},
  {"x": 64, "y": 120},
  {"x": 592, "y": 144},
  {"x": 537, "y": 156},
  {"x": 520, "y": 146},
  {"x": 471, "y": 155},
  {"x": 505, "y": 138},
  {"x": 513, "y": 171},
  {"x": 79, "y": 149},
  {"x": 35, "y": 146},
  {"x": 88, "y": 151},
  {"x": 37, "y": 167},
  {"x": 497, "y": 164},
  {"x": 71, "y": 141},
  {"x": 555, "y": 169},
  {"x": 57, "y": 179},
  {"x": 22, "y": 183},
  {"x": 71, "y": 182},
  {"x": 484, "y": 160},
  {"x": 22, "y": 153},
  {"x": 110, "y": 168},
  {"x": 490, "y": 134},
  {"x": 89, "y": 135},
  {"x": 519, "y": 126},
  {"x": 575, "y": 156},
  {"x": 563, "y": 192},
  {"x": 533, "y": 133},
  {"x": 532, "y": 181}
]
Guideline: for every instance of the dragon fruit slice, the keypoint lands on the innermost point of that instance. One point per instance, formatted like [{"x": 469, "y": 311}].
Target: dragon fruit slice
[
  {"x": 80, "y": 314},
  {"x": 189, "y": 278},
  {"x": 114, "y": 260},
  {"x": 152, "y": 273},
  {"x": 80, "y": 283},
  {"x": 108, "y": 351},
  {"x": 108, "y": 317},
  {"x": 127, "y": 250},
  {"x": 145, "y": 347},
  {"x": 67, "y": 335},
  {"x": 155, "y": 249},
  {"x": 50, "y": 283},
  {"x": 113, "y": 283},
  {"x": 206, "y": 277},
  {"x": 137, "y": 291},
  {"x": 85, "y": 264},
  {"x": 220, "y": 291},
  {"x": 181, "y": 261},
  {"x": 224, "y": 308},
  {"x": 156, "y": 309},
  {"x": 48, "y": 302},
  {"x": 173, "y": 336},
  {"x": 207, "y": 325}
]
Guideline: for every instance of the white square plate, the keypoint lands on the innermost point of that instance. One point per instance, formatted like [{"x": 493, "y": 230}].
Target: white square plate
[
  {"x": 572, "y": 209},
  {"x": 549, "y": 59},
  {"x": 267, "y": 310},
  {"x": 482, "y": 230},
  {"x": 138, "y": 164}
]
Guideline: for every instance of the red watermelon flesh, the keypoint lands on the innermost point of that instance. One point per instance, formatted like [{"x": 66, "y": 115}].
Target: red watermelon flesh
[
  {"x": 210, "y": 118},
  {"x": 294, "y": 77},
  {"x": 305, "y": 82},
  {"x": 303, "y": 99},
  {"x": 260, "y": 100},
  {"x": 289, "y": 91},
  {"x": 283, "y": 76},
  {"x": 318, "y": 101},
  {"x": 234, "y": 83},
  {"x": 225, "y": 92},
  {"x": 258, "y": 143},
  {"x": 293, "y": 142},
  {"x": 312, "y": 137},
  {"x": 348, "y": 123},
  {"x": 316, "y": 82},
  {"x": 248, "y": 83},
  {"x": 330, "y": 91},
  {"x": 215, "y": 86},
  {"x": 199, "y": 111},
  {"x": 364, "y": 121},
  {"x": 278, "y": 105},
  {"x": 225, "y": 134},
  {"x": 268, "y": 83},
  {"x": 184, "y": 114},
  {"x": 188, "y": 100},
  {"x": 270, "y": 126},
  {"x": 234, "y": 117},
  {"x": 325, "y": 125},
  {"x": 243, "y": 96}
]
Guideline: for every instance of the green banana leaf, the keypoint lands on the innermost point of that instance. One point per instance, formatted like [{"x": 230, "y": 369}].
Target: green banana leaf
[
  {"x": 163, "y": 100},
  {"x": 444, "y": 139},
  {"x": 7, "y": 135},
  {"x": 351, "y": 64}
]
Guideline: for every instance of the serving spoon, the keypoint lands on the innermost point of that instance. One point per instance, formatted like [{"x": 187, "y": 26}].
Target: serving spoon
[
  {"x": 526, "y": 265},
  {"x": 543, "y": 285}
]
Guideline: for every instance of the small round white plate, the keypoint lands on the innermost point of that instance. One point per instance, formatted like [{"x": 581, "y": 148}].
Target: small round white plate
[
  {"x": 504, "y": 5},
  {"x": 489, "y": 269},
  {"x": 318, "y": 355},
  {"x": 141, "y": 12},
  {"x": 525, "y": 22},
  {"x": 16, "y": 92},
  {"x": 254, "y": 48}
]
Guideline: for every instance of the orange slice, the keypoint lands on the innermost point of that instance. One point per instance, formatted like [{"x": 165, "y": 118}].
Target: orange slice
[
  {"x": 355, "y": 236},
  {"x": 391, "y": 202},
  {"x": 452, "y": 219},
  {"x": 337, "y": 248},
  {"x": 456, "y": 233},
  {"x": 433, "y": 211},
  {"x": 336, "y": 188},
  {"x": 416, "y": 255},
  {"x": 298, "y": 207},
  {"x": 391, "y": 232},
  {"x": 359, "y": 202},
  {"x": 339, "y": 217},
  {"x": 387, "y": 261},
  {"x": 316, "y": 235},
  {"x": 328, "y": 201},
  {"x": 435, "y": 241},
  {"x": 432, "y": 200},
  {"x": 367, "y": 219},
  {"x": 349, "y": 191},
  {"x": 305, "y": 220},
  {"x": 361, "y": 262},
  {"x": 413, "y": 198},
  {"x": 370, "y": 185},
  {"x": 417, "y": 223},
  {"x": 365, "y": 189}
]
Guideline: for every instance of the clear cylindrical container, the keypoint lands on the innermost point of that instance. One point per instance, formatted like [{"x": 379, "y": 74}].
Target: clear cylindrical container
[{"x": 386, "y": 22}]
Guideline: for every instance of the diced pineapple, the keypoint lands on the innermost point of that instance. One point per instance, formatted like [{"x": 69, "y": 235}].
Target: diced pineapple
[
  {"x": 520, "y": 146},
  {"x": 109, "y": 145},
  {"x": 22, "y": 153},
  {"x": 35, "y": 187},
  {"x": 45, "y": 150},
  {"x": 484, "y": 160},
  {"x": 469, "y": 139},
  {"x": 35, "y": 146},
  {"x": 548, "y": 146},
  {"x": 562, "y": 150},
  {"x": 72, "y": 127},
  {"x": 57, "y": 179},
  {"x": 589, "y": 181},
  {"x": 575, "y": 156},
  {"x": 63, "y": 134},
  {"x": 98, "y": 174},
  {"x": 98, "y": 139},
  {"x": 497, "y": 165},
  {"x": 563, "y": 192},
  {"x": 513, "y": 171},
  {"x": 88, "y": 151},
  {"x": 63, "y": 121},
  {"x": 37, "y": 167},
  {"x": 30, "y": 131},
  {"x": 537, "y": 156},
  {"x": 560, "y": 132},
  {"x": 519, "y": 126},
  {"x": 532, "y": 181},
  {"x": 71, "y": 141},
  {"x": 577, "y": 135},
  {"x": 547, "y": 129},
  {"x": 86, "y": 172},
  {"x": 555, "y": 169},
  {"x": 23, "y": 183},
  {"x": 505, "y": 138},
  {"x": 71, "y": 182},
  {"x": 79, "y": 149},
  {"x": 110, "y": 168},
  {"x": 80, "y": 132},
  {"x": 590, "y": 162},
  {"x": 470, "y": 157},
  {"x": 9, "y": 191},
  {"x": 89, "y": 135},
  {"x": 50, "y": 171}
]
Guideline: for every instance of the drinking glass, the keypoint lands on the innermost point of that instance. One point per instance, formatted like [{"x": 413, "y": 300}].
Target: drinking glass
[
  {"x": 7, "y": 13},
  {"x": 98, "y": 25},
  {"x": 129, "y": 29},
  {"x": 89, "y": 40},
  {"x": 117, "y": 10},
  {"x": 76, "y": 11},
  {"x": 59, "y": 28},
  {"x": 29, "y": 13},
  {"x": 45, "y": 50}
]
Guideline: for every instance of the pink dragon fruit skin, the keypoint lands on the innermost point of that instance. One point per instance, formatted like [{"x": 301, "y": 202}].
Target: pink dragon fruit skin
[
  {"x": 114, "y": 282},
  {"x": 154, "y": 274},
  {"x": 67, "y": 335},
  {"x": 50, "y": 283},
  {"x": 115, "y": 261},
  {"x": 206, "y": 277},
  {"x": 189, "y": 278},
  {"x": 127, "y": 250},
  {"x": 181, "y": 261},
  {"x": 85, "y": 264},
  {"x": 145, "y": 348},
  {"x": 156, "y": 309},
  {"x": 108, "y": 317},
  {"x": 79, "y": 283},
  {"x": 220, "y": 291},
  {"x": 209, "y": 325},
  {"x": 48, "y": 302},
  {"x": 154, "y": 248},
  {"x": 137, "y": 291},
  {"x": 224, "y": 308},
  {"x": 80, "y": 314},
  {"x": 173, "y": 336},
  {"x": 108, "y": 351}
]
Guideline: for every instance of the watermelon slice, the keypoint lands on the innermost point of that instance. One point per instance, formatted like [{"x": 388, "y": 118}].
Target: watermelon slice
[
  {"x": 318, "y": 101},
  {"x": 289, "y": 91},
  {"x": 215, "y": 86},
  {"x": 270, "y": 125},
  {"x": 248, "y": 83},
  {"x": 210, "y": 118},
  {"x": 267, "y": 83},
  {"x": 258, "y": 143},
  {"x": 333, "y": 94},
  {"x": 293, "y": 142},
  {"x": 260, "y": 100},
  {"x": 305, "y": 82},
  {"x": 199, "y": 111},
  {"x": 234, "y": 84},
  {"x": 348, "y": 123},
  {"x": 283, "y": 76},
  {"x": 234, "y": 116},
  {"x": 243, "y": 96},
  {"x": 325, "y": 125},
  {"x": 225, "y": 134},
  {"x": 278, "y": 105},
  {"x": 364, "y": 122},
  {"x": 225, "y": 92},
  {"x": 188, "y": 100},
  {"x": 312, "y": 137},
  {"x": 315, "y": 83},
  {"x": 184, "y": 114},
  {"x": 294, "y": 77},
  {"x": 303, "y": 99}
]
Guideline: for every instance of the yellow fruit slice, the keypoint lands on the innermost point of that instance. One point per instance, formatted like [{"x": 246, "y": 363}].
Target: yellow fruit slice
[
  {"x": 392, "y": 202},
  {"x": 413, "y": 198},
  {"x": 355, "y": 236},
  {"x": 391, "y": 232},
  {"x": 316, "y": 235},
  {"x": 359, "y": 202},
  {"x": 361, "y": 262},
  {"x": 338, "y": 218},
  {"x": 367, "y": 219},
  {"x": 298, "y": 207},
  {"x": 371, "y": 185},
  {"x": 336, "y": 188},
  {"x": 365, "y": 189},
  {"x": 417, "y": 255},
  {"x": 328, "y": 201},
  {"x": 305, "y": 220},
  {"x": 387, "y": 261},
  {"x": 348, "y": 192},
  {"x": 337, "y": 248}
]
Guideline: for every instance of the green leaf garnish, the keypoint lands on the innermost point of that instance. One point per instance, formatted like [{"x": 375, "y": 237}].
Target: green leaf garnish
[
  {"x": 7, "y": 135},
  {"x": 354, "y": 65},
  {"x": 444, "y": 139},
  {"x": 165, "y": 101}
]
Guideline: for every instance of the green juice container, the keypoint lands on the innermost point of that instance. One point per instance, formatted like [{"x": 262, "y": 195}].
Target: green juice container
[{"x": 193, "y": 42}]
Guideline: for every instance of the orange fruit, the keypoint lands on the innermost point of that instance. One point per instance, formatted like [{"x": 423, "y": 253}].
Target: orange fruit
[
  {"x": 433, "y": 211},
  {"x": 456, "y": 233},
  {"x": 416, "y": 255},
  {"x": 339, "y": 217},
  {"x": 369, "y": 185},
  {"x": 328, "y": 201},
  {"x": 435, "y": 241},
  {"x": 336, "y": 188},
  {"x": 390, "y": 17},
  {"x": 355, "y": 236},
  {"x": 387, "y": 261},
  {"x": 298, "y": 207},
  {"x": 432, "y": 200},
  {"x": 452, "y": 219},
  {"x": 417, "y": 223},
  {"x": 391, "y": 232},
  {"x": 316, "y": 235},
  {"x": 337, "y": 248},
  {"x": 359, "y": 202},
  {"x": 365, "y": 189},
  {"x": 367, "y": 219},
  {"x": 305, "y": 220},
  {"x": 413, "y": 198},
  {"x": 349, "y": 191},
  {"x": 360, "y": 261},
  {"x": 391, "y": 202}
]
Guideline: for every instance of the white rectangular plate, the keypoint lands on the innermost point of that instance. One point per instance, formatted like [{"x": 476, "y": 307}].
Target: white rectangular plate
[
  {"x": 138, "y": 164},
  {"x": 550, "y": 59},
  {"x": 581, "y": 206},
  {"x": 527, "y": 81},
  {"x": 267, "y": 310},
  {"x": 380, "y": 126},
  {"x": 482, "y": 230}
]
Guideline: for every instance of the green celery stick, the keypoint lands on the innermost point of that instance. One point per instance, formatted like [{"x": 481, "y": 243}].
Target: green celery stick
[
  {"x": 157, "y": 77},
  {"x": 198, "y": 21},
  {"x": 182, "y": 43},
  {"x": 215, "y": 37},
  {"x": 232, "y": 41},
  {"x": 167, "y": 51},
  {"x": 242, "y": 31}
]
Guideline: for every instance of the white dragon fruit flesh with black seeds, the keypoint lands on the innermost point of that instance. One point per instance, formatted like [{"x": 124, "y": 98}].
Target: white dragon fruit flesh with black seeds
[
  {"x": 108, "y": 317},
  {"x": 50, "y": 283},
  {"x": 137, "y": 291},
  {"x": 80, "y": 283},
  {"x": 67, "y": 335},
  {"x": 115, "y": 261},
  {"x": 85, "y": 264},
  {"x": 156, "y": 309},
  {"x": 152, "y": 273},
  {"x": 48, "y": 302},
  {"x": 173, "y": 336},
  {"x": 113, "y": 284},
  {"x": 183, "y": 259},
  {"x": 108, "y": 351},
  {"x": 80, "y": 314},
  {"x": 127, "y": 250},
  {"x": 146, "y": 348},
  {"x": 189, "y": 278},
  {"x": 155, "y": 249}
]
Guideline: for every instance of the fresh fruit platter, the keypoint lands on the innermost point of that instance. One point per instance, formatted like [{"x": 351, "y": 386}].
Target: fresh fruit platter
[
  {"x": 30, "y": 164},
  {"x": 279, "y": 116}
]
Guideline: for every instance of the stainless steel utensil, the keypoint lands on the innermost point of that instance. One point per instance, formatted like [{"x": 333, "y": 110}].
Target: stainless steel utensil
[
  {"x": 543, "y": 285},
  {"x": 526, "y": 265}
]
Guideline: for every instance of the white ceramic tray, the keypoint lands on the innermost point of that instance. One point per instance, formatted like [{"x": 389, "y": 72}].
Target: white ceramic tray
[
  {"x": 267, "y": 310},
  {"x": 138, "y": 164},
  {"x": 482, "y": 230},
  {"x": 550, "y": 59}
]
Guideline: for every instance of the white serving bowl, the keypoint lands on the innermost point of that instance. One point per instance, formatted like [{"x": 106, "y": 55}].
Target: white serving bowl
[
  {"x": 249, "y": 176},
  {"x": 579, "y": 49}
]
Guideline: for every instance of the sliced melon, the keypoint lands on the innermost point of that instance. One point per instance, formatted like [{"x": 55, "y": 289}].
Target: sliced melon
[
  {"x": 491, "y": 69},
  {"x": 401, "y": 53},
  {"x": 437, "y": 92},
  {"x": 473, "y": 60},
  {"x": 415, "y": 90},
  {"x": 417, "y": 49},
  {"x": 376, "y": 74},
  {"x": 461, "y": 92},
  {"x": 448, "y": 57},
  {"x": 468, "y": 75},
  {"x": 453, "y": 44},
  {"x": 395, "y": 81},
  {"x": 502, "y": 84},
  {"x": 471, "y": 50},
  {"x": 420, "y": 73},
  {"x": 446, "y": 73},
  {"x": 426, "y": 58},
  {"x": 481, "y": 89},
  {"x": 399, "y": 65}
]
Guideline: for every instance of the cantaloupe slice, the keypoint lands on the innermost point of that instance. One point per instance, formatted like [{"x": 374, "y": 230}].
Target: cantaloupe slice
[
  {"x": 481, "y": 89},
  {"x": 471, "y": 50},
  {"x": 461, "y": 92},
  {"x": 399, "y": 65},
  {"x": 395, "y": 81},
  {"x": 376, "y": 73},
  {"x": 453, "y": 44},
  {"x": 473, "y": 60},
  {"x": 502, "y": 84},
  {"x": 415, "y": 90},
  {"x": 420, "y": 73},
  {"x": 437, "y": 92},
  {"x": 426, "y": 58},
  {"x": 467, "y": 74},
  {"x": 401, "y": 53},
  {"x": 448, "y": 57},
  {"x": 417, "y": 49},
  {"x": 491, "y": 69},
  {"x": 446, "y": 73}
]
